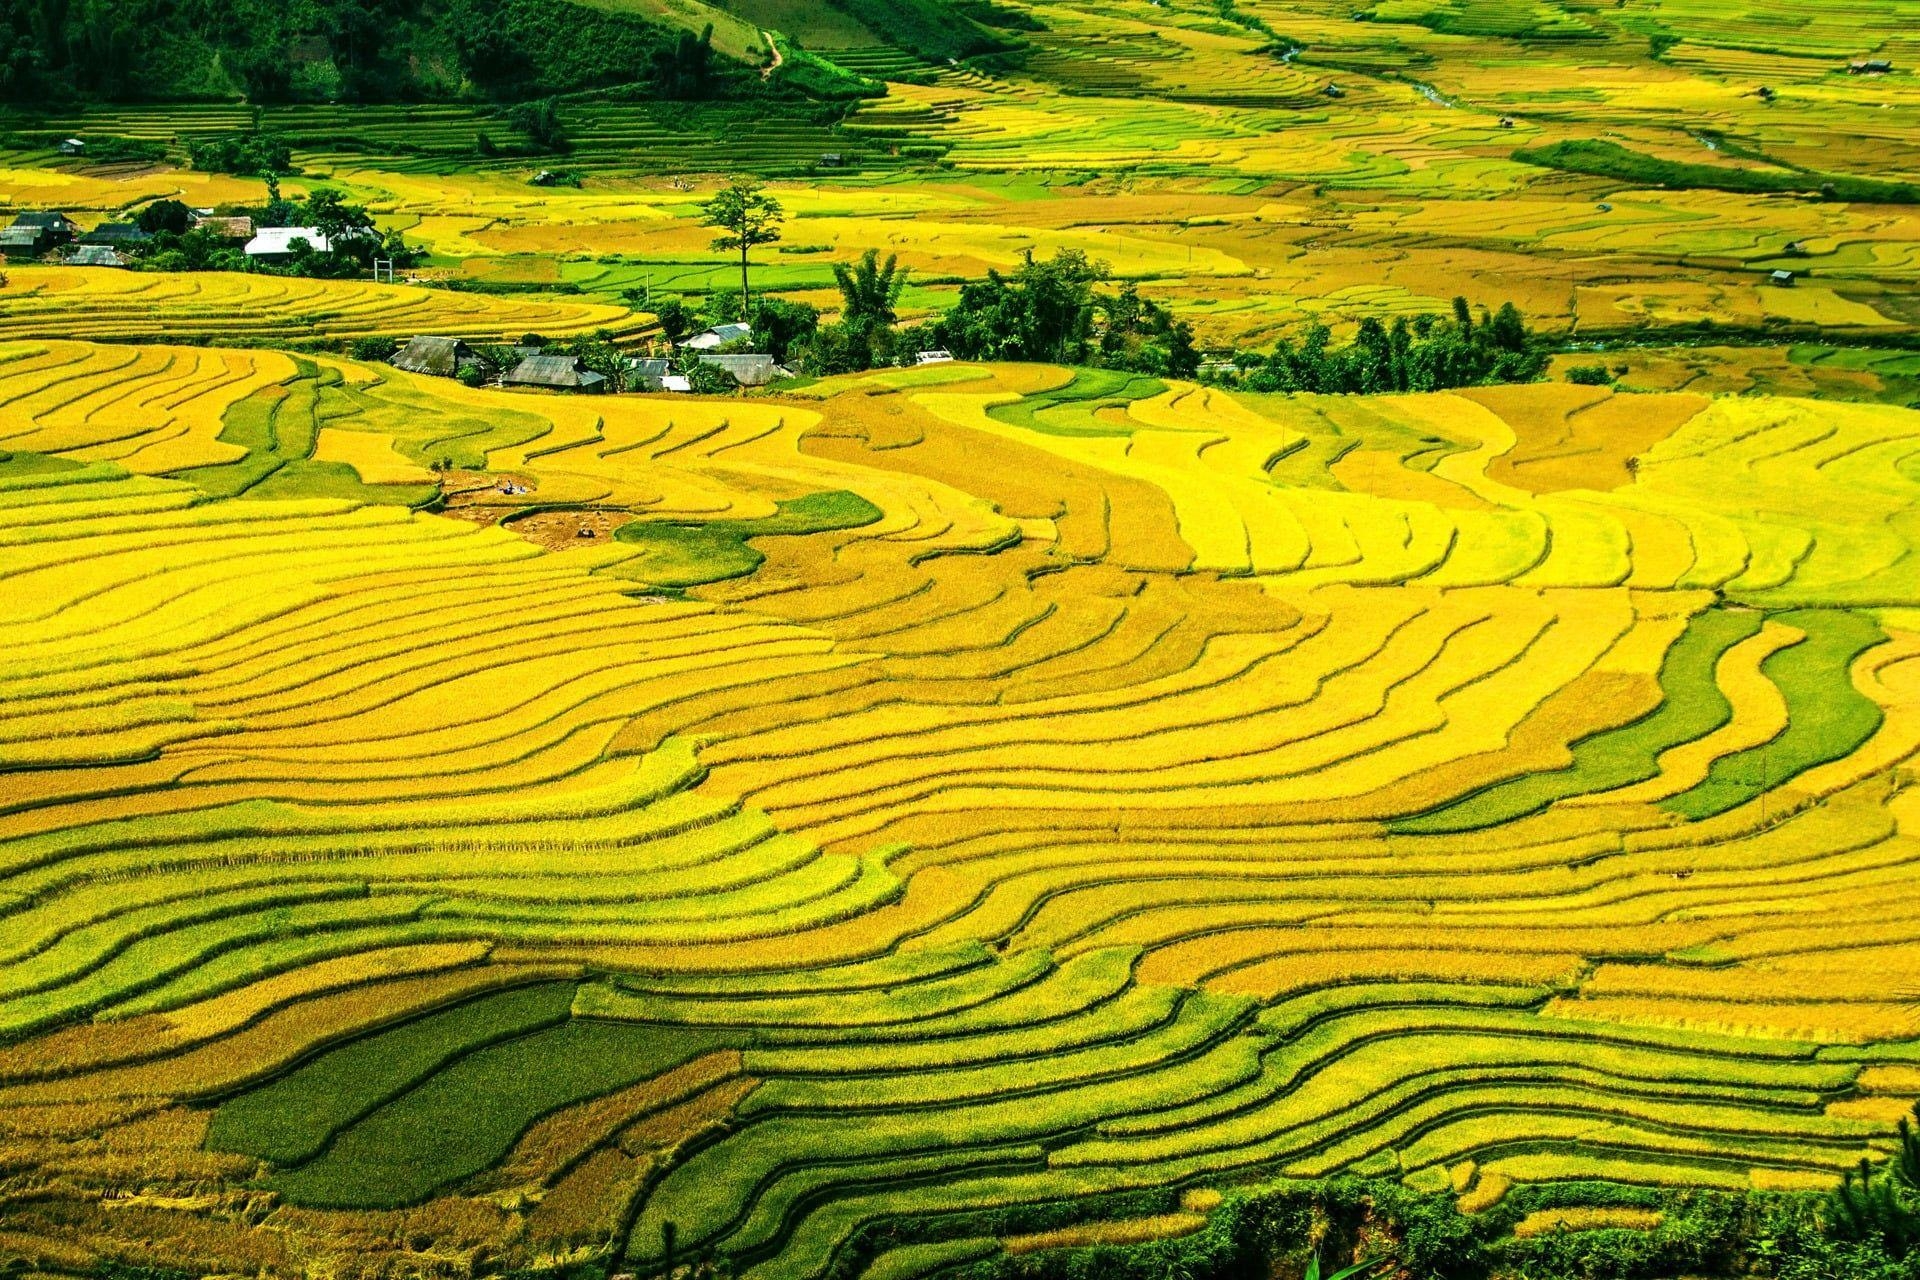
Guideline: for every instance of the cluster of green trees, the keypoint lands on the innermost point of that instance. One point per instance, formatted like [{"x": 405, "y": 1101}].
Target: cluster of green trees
[
  {"x": 1051, "y": 311},
  {"x": 1054, "y": 311},
  {"x": 1428, "y": 353},
  {"x": 1323, "y": 1227},
  {"x": 539, "y": 123},
  {"x": 251, "y": 154},
  {"x": 353, "y": 241},
  {"x": 863, "y": 337}
]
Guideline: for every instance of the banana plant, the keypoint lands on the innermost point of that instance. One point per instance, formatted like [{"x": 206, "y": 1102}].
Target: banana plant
[{"x": 1367, "y": 1267}]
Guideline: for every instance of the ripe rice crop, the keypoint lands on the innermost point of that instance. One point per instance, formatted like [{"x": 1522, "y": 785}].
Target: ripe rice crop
[
  {"x": 104, "y": 304},
  {"x": 1001, "y": 788}
]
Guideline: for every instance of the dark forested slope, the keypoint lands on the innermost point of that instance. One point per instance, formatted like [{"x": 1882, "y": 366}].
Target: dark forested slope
[
  {"x": 346, "y": 50},
  {"x": 397, "y": 50}
]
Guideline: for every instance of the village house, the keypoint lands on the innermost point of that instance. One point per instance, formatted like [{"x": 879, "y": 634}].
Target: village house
[
  {"x": 116, "y": 233},
  {"x": 36, "y": 234},
  {"x": 57, "y": 228},
  {"x": 646, "y": 373},
  {"x": 23, "y": 242},
  {"x": 747, "y": 370},
  {"x": 95, "y": 255},
  {"x": 721, "y": 335},
  {"x": 276, "y": 244},
  {"x": 560, "y": 373},
  {"x": 232, "y": 230},
  {"x": 438, "y": 357}
]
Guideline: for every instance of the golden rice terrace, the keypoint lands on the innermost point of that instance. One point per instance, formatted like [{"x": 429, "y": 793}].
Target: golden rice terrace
[{"x": 982, "y": 818}]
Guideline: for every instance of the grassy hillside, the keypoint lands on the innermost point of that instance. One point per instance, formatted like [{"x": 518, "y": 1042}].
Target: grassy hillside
[
  {"x": 934, "y": 29},
  {"x": 816, "y": 24},
  {"x": 734, "y": 36}
]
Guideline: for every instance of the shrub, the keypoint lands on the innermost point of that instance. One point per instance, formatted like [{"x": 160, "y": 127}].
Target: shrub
[
  {"x": 541, "y": 122},
  {"x": 245, "y": 154}
]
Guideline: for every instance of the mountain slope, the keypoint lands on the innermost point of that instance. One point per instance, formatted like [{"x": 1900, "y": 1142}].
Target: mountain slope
[{"x": 362, "y": 50}]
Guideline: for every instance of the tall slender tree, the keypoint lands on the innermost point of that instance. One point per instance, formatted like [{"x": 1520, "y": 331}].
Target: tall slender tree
[{"x": 747, "y": 218}]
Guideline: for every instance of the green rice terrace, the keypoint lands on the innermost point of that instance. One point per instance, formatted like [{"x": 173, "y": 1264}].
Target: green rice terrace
[{"x": 964, "y": 639}]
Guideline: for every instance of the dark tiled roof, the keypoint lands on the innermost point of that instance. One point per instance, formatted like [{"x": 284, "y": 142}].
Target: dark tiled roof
[
  {"x": 438, "y": 356},
  {"x": 554, "y": 371}
]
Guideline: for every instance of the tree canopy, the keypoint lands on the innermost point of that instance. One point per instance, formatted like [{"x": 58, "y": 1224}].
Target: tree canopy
[
  {"x": 1427, "y": 353},
  {"x": 1052, "y": 311},
  {"x": 746, "y": 217}
]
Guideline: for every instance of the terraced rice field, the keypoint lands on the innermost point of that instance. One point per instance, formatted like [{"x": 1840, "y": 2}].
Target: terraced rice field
[
  {"x": 939, "y": 792},
  {"x": 948, "y": 790},
  {"x": 105, "y": 304},
  {"x": 1200, "y": 157}
]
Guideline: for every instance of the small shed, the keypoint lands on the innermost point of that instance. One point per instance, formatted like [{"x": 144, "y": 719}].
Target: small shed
[
  {"x": 95, "y": 255},
  {"x": 116, "y": 233},
  {"x": 937, "y": 356},
  {"x": 1782, "y": 279},
  {"x": 72, "y": 147},
  {"x": 747, "y": 370},
  {"x": 1334, "y": 91},
  {"x": 562, "y": 373},
  {"x": 1870, "y": 67},
  {"x": 721, "y": 335},
  {"x": 1796, "y": 249},
  {"x": 833, "y": 160},
  {"x": 440, "y": 357}
]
